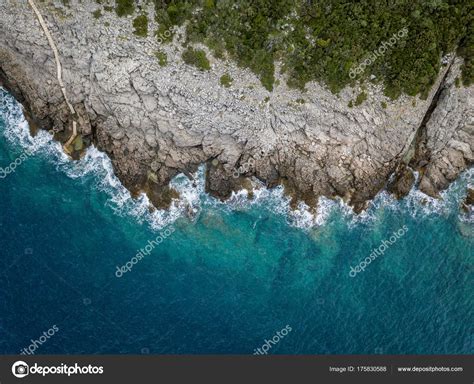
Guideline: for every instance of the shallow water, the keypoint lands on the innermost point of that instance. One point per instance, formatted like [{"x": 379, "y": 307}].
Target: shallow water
[{"x": 228, "y": 281}]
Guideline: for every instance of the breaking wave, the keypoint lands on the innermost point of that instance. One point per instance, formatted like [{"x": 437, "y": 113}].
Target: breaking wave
[{"x": 96, "y": 166}]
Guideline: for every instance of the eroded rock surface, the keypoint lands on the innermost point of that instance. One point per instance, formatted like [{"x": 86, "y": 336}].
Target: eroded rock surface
[{"x": 155, "y": 122}]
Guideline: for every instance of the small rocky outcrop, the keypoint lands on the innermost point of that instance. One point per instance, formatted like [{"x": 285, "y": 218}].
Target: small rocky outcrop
[
  {"x": 468, "y": 204},
  {"x": 402, "y": 183}
]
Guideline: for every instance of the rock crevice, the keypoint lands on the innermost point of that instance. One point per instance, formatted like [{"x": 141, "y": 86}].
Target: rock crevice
[{"x": 157, "y": 121}]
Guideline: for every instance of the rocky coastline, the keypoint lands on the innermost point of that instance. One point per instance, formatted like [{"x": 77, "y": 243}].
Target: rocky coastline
[{"x": 157, "y": 121}]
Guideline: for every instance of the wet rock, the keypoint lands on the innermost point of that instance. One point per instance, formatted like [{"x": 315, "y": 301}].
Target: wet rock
[
  {"x": 402, "y": 183},
  {"x": 468, "y": 204},
  {"x": 160, "y": 197}
]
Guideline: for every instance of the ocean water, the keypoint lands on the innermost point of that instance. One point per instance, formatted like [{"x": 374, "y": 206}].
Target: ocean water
[{"x": 227, "y": 281}]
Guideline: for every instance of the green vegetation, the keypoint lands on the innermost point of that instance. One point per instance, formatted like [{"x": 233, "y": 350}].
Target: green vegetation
[
  {"x": 163, "y": 34},
  {"x": 226, "y": 80},
  {"x": 196, "y": 57},
  {"x": 97, "y": 14},
  {"x": 78, "y": 143},
  {"x": 361, "y": 97},
  {"x": 324, "y": 40},
  {"x": 300, "y": 101},
  {"x": 466, "y": 50},
  {"x": 162, "y": 58},
  {"x": 124, "y": 7},
  {"x": 140, "y": 23},
  {"x": 383, "y": 104}
]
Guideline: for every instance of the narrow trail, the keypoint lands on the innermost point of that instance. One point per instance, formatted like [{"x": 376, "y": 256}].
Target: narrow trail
[{"x": 59, "y": 73}]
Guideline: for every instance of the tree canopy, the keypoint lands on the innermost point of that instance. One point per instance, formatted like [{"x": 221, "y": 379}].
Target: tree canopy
[{"x": 325, "y": 40}]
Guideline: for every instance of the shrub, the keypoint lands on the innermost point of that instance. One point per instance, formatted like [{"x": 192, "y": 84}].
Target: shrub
[
  {"x": 361, "y": 97},
  {"x": 140, "y": 23},
  {"x": 97, "y": 14},
  {"x": 196, "y": 57},
  {"x": 226, "y": 80},
  {"x": 162, "y": 58},
  {"x": 124, "y": 7}
]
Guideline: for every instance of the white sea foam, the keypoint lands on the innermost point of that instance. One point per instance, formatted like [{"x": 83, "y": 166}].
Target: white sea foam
[
  {"x": 96, "y": 166},
  {"x": 419, "y": 204},
  {"x": 275, "y": 201}
]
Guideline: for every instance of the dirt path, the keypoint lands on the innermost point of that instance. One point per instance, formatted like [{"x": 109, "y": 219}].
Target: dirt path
[{"x": 59, "y": 73}]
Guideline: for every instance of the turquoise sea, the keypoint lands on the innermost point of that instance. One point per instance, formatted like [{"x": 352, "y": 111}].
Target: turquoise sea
[{"x": 228, "y": 281}]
